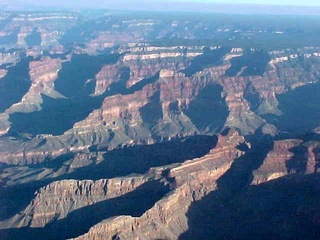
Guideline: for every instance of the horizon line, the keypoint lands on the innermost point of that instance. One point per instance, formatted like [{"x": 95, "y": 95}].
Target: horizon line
[{"x": 179, "y": 6}]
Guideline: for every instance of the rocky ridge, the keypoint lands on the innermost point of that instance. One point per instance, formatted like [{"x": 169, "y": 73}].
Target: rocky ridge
[
  {"x": 120, "y": 120},
  {"x": 189, "y": 181},
  {"x": 108, "y": 110}
]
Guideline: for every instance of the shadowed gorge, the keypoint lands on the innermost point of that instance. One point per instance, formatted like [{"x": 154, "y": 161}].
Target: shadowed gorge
[
  {"x": 74, "y": 83},
  {"x": 138, "y": 86},
  {"x": 79, "y": 221},
  {"x": 75, "y": 76},
  {"x": 252, "y": 96},
  {"x": 252, "y": 63},
  {"x": 152, "y": 112},
  {"x": 116, "y": 163},
  {"x": 140, "y": 159},
  {"x": 207, "y": 59},
  {"x": 65, "y": 113},
  {"x": 131, "y": 125},
  {"x": 206, "y": 216},
  {"x": 34, "y": 38},
  {"x": 15, "y": 84},
  {"x": 80, "y": 102},
  {"x": 304, "y": 100},
  {"x": 298, "y": 162},
  {"x": 208, "y": 109},
  {"x": 286, "y": 208}
]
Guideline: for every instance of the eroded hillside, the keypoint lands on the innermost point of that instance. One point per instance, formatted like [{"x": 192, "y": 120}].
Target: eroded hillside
[{"x": 154, "y": 127}]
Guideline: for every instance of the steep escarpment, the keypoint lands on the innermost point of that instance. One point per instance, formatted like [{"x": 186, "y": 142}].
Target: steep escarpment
[
  {"x": 42, "y": 74},
  {"x": 221, "y": 210},
  {"x": 114, "y": 99},
  {"x": 167, "y": 93},
  {"x": 56, "y": 203},
  {"x": 73, "y": 225},
  {"x": 128, "y": 116},
  {"x": 192, "y": 180},
  {"x": 214, "y": 176},
  {"x": 59, "y": 199},
  {"x": 303, "y": 99},
  {"x": 73, "y": 88},
  {"x": 100, "y": 164},
  {"x": 252, "y": 97},
  {"x": 150, "y": 127},
  {"x": 15, "y": 84},
  {"x": 288, "y": 204},
  {"x": 145, "y": 61},
  {"x": 290, "y": 156},
  {"x": 275, "y": 164}
]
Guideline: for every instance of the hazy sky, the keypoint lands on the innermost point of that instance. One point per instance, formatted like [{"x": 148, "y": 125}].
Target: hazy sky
[
  {"x": 276, "y": 2},
  {"x": 154, "y": 4},
  {"x": 107, "y": 2}
]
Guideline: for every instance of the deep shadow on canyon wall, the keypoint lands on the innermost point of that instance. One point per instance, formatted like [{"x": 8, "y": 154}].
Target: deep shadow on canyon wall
[
  {"x": 286, "y": 208},
  {"x": 116, "y": 163},
  {"x": 79, "y": 222}
]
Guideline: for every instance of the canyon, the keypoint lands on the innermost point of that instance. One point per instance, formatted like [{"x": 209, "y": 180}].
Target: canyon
[{"x": 157, "y": 127}]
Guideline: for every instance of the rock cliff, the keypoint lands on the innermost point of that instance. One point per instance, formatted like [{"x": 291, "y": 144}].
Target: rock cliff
[
  {"x": 167, "y": 218},
  {"x": 144, "y": 127}
]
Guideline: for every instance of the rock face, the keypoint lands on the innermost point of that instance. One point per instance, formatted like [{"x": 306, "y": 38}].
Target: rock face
[
  {"x": 274, "y": 165},
  {"x": 42, "y": 75},
  {"x": 107, "y": 75},
  {"x": 189, "y": 182},
  {"x": 124, "y": 115},
  {"x": 141, "y": 82},
  {"x": 121, "y": 128},
  {"x": 167, "y": 219},
  {"x": 288, "y": 156},
  {"x": 58, "y": 199}
]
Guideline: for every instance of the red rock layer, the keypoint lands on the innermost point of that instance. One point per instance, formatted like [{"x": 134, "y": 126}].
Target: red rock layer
[
  {"x": 274, "y": 166},
  {"x": 119, "y": 121},
  {"x": 167, "y": 219},
  {"x": 57, "y": 200},
  {"x": 277, "y": 162},
  {"x": 42, "y": 73}
]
